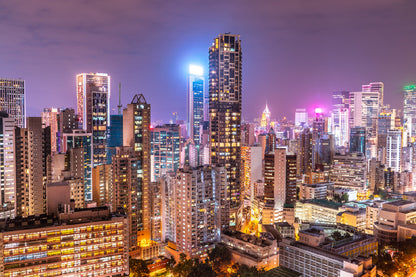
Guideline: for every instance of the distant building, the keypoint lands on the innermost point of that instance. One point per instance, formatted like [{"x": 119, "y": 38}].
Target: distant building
[
  {"x": 196, "y": 85},
  {"x": 12, "y": 93},
  {"x": 114, "y": 135},
  {"x": 165, "y": 149},
  {"x": 349, "y": 171},
  {"x": 301, "y": 117}
]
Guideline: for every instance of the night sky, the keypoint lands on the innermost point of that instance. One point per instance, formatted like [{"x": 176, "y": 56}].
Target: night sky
[{"x": 295, "y": 53}]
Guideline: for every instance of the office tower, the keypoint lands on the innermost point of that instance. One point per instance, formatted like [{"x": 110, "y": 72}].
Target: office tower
[
  {"x": 323, "y": 152},
  {"x": 195, "y": 101},
  {"x": 114, "y": 135},
  {"x": 136, "y": 134},
  {"x": 201, "y": 208},
  {"x": 340, "y": 100},
  {"x": 102, "y": 187},
  {"x": 79, "y": 145},
  {"x": 265, "y": 119},
  {"x": 409, "y": 113},
  {"x": 32, "y": 151},
  {"x": 165, "y": 149},
  {"x": 340, "y": 126},
  {"x": 127, "y": 189},
  {"x": 306, "y": 152},
  {"x": 301, "y": 117},
  {"x": 364, "y": 112},
  {"x": 270, "y": 141},
  {"x": 394, "y": 149},
  {"x": 13, "y": 100},
  {"x": 88, "y": 242},
  {"x": 225, "y": 112},
  {"x": 319, "y": 124},
  {"x": 251, "y": 169},
  {"x": 50, "y": 118},
  {"x": 376, "y": 87},
  {"x": 93, "y": 108},
  {"x": 357, "y": 140},
  {"x": 290, "y": 178},
  {"x": 7, "y": 175},
  {"x": 349, "y": 171}
]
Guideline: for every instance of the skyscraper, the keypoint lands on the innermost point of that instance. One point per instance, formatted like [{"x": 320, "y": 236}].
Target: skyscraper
[
  {"x": 136, "y": 134},
  {"x": 93, "y": 107},
  {"x": 340, "y": 117},
  {"x": 394, "y": 149},
  {"x": 12, "y": 100},
  {"x": 225, "y": 63},
  {"x": 301, "y": 117},
  {"x": 357, "y": 140},
  {"x": 409, "y": 112},
  {"x": 375, "y": 87},
  {"x": 195, "y": 102}
]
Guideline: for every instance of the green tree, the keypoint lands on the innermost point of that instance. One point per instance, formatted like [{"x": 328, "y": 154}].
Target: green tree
[
  {"x": 344, "y": 197},
  {"x": 138, "y": 268},
  {"x": 220, "y": 259},
  {"x": 202, "y": 270},
  {"x": 336, "y": 235},
  {"x": 184, "y": 266}
]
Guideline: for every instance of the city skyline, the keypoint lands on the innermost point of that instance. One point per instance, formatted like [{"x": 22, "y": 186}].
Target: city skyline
[{"x": 307, "y": 44}]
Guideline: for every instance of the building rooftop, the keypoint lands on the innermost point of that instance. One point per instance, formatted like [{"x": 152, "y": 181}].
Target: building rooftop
[
  {"x": 325, "y": 203},
  {"x": 78, "y": 216},
  {"x": 280, "y": 272},
  {"x": 247, "y": 238}
]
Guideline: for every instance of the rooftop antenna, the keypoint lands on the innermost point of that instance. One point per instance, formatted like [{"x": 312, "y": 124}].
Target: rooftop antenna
[{"x": 119, "y": 106}]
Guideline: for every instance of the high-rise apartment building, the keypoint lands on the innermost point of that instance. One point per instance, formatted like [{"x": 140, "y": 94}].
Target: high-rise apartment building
[
  {"x": 7, "y": 174},
  {"x": 165, "y": 149},
  {"x": 127, "y": 189},
  {"x": 93, "y": 108},
  {"x": 32, "y": 151},
  {"x": 225, "y": 71},
  {"x": 13, "y": 100},
  {"x": 201, "y": 208},
  {"x": 102, "y": 186},
  {"x": 136, "y": 134},
  {"x": 195, "y": 102},
  {"x": 251, "y": 169}
]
